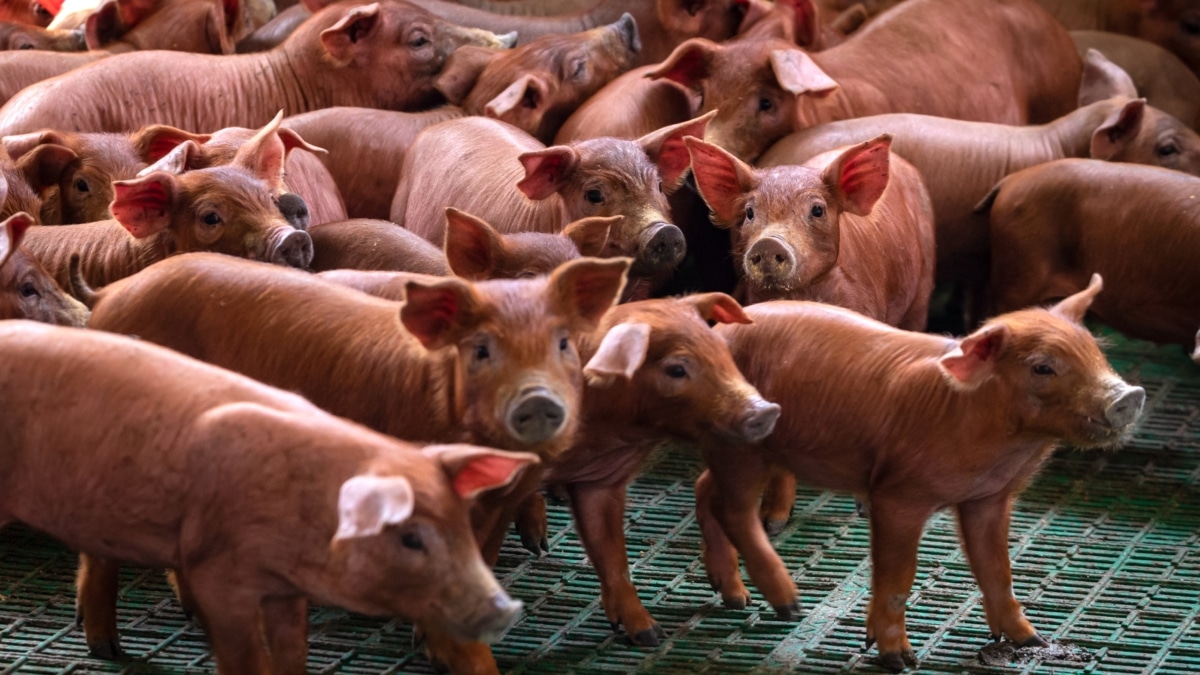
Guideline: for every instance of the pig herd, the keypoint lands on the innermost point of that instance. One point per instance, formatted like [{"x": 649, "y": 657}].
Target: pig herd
[{"x": 336, "y": 294}]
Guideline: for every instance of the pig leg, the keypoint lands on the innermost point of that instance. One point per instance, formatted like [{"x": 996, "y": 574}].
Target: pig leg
[
  {"x": 458, "y": 657},
  {"x": 599, "y": 512},
  {"x": 232, "y": 618},
  {"x": 96, "y": 605},
  {"x": 720, "y": 557},
  {"x": 895, "y": 535},
  {"x": 285, "y": 622},
  {"x": 778, "y": 500},
  {"x": 983, "y": 524},
  {"x": 531, "y": 525}
]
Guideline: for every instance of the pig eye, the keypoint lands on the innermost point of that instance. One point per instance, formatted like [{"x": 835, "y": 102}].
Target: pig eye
[
  {"x": 564, "y": 344},
  {"x": 594, "y": 196},
  {"x": 81, "y": 185},
  {"x": 1043, "y": 370},
  {"x": 764, "y": 104},
  {"x": 417, "y": 41},
  {"x": 749, "y": 213},
  {"x": 676, "y": 371},
  {"x": 580, "y": 68},
  {"x": 482, "y": 353},
  {"x": 211, "y": 219},
  {"x": 818, "y": 211},
  {"x": 412, "y": 540},
  {"x": 1167, "y": 150},
  {"x": 26, "y": 45},
  {"x": 28, "y": 290},
  {"x": 660, "y": 186}
]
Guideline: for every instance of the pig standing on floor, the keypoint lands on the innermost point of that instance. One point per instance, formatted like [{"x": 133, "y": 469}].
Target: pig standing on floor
[{"x": 916, "y": 423}]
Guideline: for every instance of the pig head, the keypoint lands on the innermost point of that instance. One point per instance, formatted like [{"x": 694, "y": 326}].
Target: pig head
[{"x": 27, "y": 291}]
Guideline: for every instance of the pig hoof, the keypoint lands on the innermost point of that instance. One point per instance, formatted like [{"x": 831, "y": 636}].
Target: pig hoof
[
  {"x": 774, "y": 527},
  {"x": 898, "y": 661},
  {"x": 861, "y": 508},
  {"x": 1034, "y": 640},
  {"x": 616, "y": 627},
  {"x": 418, "y": 637},
  {"x": 545, "y": 545},
  {"x": 108, "y": 650},
  {"x": 868, "y": 643},
  {"x": 649, "y": 637},
  {"x": 735, "y": 602},
  {"x": 789, "y": 611},
  {"x": 995, "y": 637},
  {"x": 535, "y": 546}
]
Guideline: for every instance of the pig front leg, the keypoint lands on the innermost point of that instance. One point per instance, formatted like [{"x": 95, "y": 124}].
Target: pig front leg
[
  {"x": 896, "y": 528},
  {"x": 285, "y": 623},
  {"x": 531, "y": 525},
  {"x": 233, "y": 613},
  {"x": 599, "y": 512},
  {"x": 96, "y": 605},
  {"x": 983, "y": 526},
  {"x": 778, "y": 500}
]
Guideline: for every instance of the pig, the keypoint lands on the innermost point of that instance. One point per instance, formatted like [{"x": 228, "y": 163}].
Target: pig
[
  {"x": 364, "y": 137},
  {"x": 24, "y": 11},
  {"x": 240, "y": 17},
  {"x": 473, "y": 248},
  {"x": 961, "y": 161},
  {"x": 1054, "y": 223},
  {"x": 16, "y": 36},
  {"x": 535, "y": 87},
  {"x": 765, "y": 89},
  {"x": 189, "y": 480},
  {"x": 886, "y": 413},
  {"x": 1166, "y": 82},
  {"x": 26, "y": 290},
  {"x": 20, "y": 69},
  {"x": 228, "y": 209},
  {"x": 631, "y": 106},
  {"x": 321, "y": 65},
  {"x": 506, "y": 177}
]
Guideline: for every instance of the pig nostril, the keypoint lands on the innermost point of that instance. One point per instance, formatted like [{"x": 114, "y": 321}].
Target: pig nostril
[
  {"x": 756, "y": 259},
  {"x": 779, "y": 258}
]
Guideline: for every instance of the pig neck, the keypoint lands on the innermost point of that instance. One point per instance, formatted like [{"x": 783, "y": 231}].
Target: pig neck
[
  {"x": 1071, "y": 134},
  {"x": 270, "y": 81}
]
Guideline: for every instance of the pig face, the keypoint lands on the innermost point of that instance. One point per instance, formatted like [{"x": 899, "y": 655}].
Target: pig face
[
  {"x": 396, "y": 49},
  {"x": 1052, "y": 372},
  {"x": 614, "y": 177},
  {"x": 1142, "y": 134},
  {"x": 786, "y": 221},
  {"x": 753, "y": 84},
  {"x": 23, "y": 36},
  {"x": 27, "y": 291},
  {"x": 518, "y": 372},
  {"x": 662, "y": 354},
  {"x": 1175, "y": 25},
  {"x": 536, "y": 86},
  {"x": 475, "y": 250}
]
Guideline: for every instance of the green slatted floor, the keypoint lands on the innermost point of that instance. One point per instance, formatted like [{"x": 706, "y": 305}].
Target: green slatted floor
[{"x": 1104, "y": 545}]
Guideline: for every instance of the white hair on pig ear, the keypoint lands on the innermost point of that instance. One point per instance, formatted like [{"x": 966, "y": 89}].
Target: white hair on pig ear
[{"x": 367, "y": 504}]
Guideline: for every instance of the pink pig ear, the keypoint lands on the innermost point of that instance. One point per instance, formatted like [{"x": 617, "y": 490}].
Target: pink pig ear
[
  {"x": 620, "y": 354},
  {"x": 689, "y": 65},
  {"x": 975, "y": 358},
  {"x": 798, "y": 74},
  {"x": 1118, "y": 130},
  {"x": 341, "y": 39},
  {"x": 473, "y": 470},
  {"x": 1102, "y": 79},
  {"x": 718, "y": 307},
  {"x": 471, "y": 245},
  {"x": 22, "y": 143},
  {"x": 546, "y": 171},
  {"x": 585, "y": 289},
  {"x": 103, "y": 25},
  {"x": 667, "y": 149},
  {"x": 368, "y": 504},
  {"x": 143, "y": 205},
  {"x": 860, "y": 175},
  {"x": 723, "y": 180},
  {"x": 527, "y": 95},
  {"x": 438, "y": 313},
  {"x": 264, "y": 154},
  {"x": 152, "y": 143},
  {"x": 808, "y": 25},
  {"x": 591, "y": 234},
  {"x": 12, "y": 232},
  {"x": 1075, "y": 307},
  {"x": 180, "y": 159}
]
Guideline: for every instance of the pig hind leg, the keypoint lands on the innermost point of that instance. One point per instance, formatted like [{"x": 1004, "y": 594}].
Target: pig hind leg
[
  {"x": 895, "y": 536},
  {"x": 778, "y": 500},
  {"x": 96, "y": 605}
]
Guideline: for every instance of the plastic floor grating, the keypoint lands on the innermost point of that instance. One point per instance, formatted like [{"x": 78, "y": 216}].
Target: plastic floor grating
[{"x": 1104, "y": 546}]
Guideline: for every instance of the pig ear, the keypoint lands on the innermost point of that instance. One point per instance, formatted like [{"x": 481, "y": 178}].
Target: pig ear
[
  {"x": 180, "y": 159},
  {"x": 264, "y": 154},
  {"x": 546, "y": 171},
  {"x": 974, "y": 360},
  {"x": 44, "y": 166},
  {"x": 667, "y": 149},
  {"x": 462, "y": 71},
  {"x": 586, "y": 288},
  {"x": 1118, "y": 130},
  {"x": 850, "y": 20},
  {"x": 438, "y": 313},
  {"x": 103, "y": 26},
  {"x": 859, "y": 175},
  {"x": 620, "y": 354},
  {"x": 471, "y": 245},
  {"x": 12, "y": 232},
  {"x": 22, "y": 143},
  {"x": 718, "y": 307},
  {"x": 689, "y": 65},
  {"x": 341, "y": 38},
  {"x": 591, "y": 234},
  {"x": 1103, "y": 79},
  {"x": 798, "y": 74},
  {"x": 1075, "y": 307},
  {"x": 529, "y": 93},
  {"x": 152, "y": 143},
  {"x": 473, "y": 470},
  {"x": 143, "y": 205},
  {"x": 808, "y": 24},
  {"x": 723, "y": 180},
  {"x": 367, "y": 504},
  {"x": 292, "y": 140}
]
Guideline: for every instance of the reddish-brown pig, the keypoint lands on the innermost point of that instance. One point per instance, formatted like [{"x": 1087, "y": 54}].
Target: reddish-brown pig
[
  {"x": 26, "y": 290},
  {"x": 903, "y": 62},
  {"x": 1157, "y": 74},
  {"x": 630, "y": 106},
  {"x": 323, "y": 64},
  {"x": 25, "y": 11},
  {"x": 1054, "y": 224},
  {"x": 229, "y": 209},
  {"x": 16, "y": 36},
  {"x": 535, "y": 87},
  {"x": 506, "y": 177},
  {"x": 364, "y": 137},
  {"x": 187, "y": 477},
  {"x": 473, "y": 249},
  {"x": 20, "y": 69},
  {"x": 885, "y": 413}
]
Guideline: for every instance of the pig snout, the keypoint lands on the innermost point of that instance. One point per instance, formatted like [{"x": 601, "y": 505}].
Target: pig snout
[
  {"x": 294, "y": 210},
  {"x": 1125, "y": 409},
  {"x": 293, "y": 248},
  {"x": 759, "y": 422},
  {"x": 508, "y": 40},
  {"x": 770, "y": 261},
  {"x": 501, "y": 613},
  {"x": 536, "y": 416},
  {"x": 663, "y": 248},
  {"x": 627, "y": 28}
]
